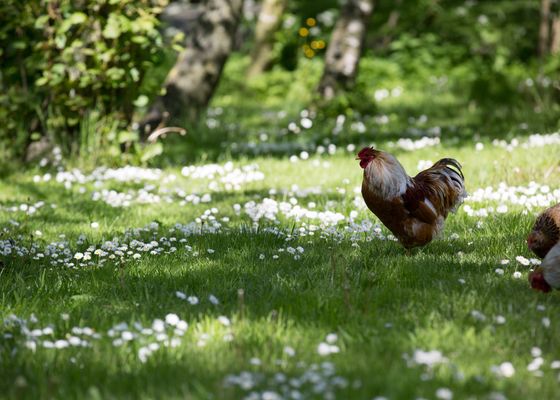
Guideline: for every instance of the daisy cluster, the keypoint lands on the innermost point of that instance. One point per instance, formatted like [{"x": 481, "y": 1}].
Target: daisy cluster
[
  {"x": 167, "y": 332},
  {"x": 270, "y": 208},
  {"x": 28, "y": 209},
  {"x": 408, "y": 144},
  {"x": 132, "y": 245},
  {"x": 102, "y": 174},
  {"x": 126, "y": 199},
  {"x": 428, "y": 361},
  {"x": 364, "y": 230},
  {"x": 145, "y": 340},
  {"x": 152, "y": 240},
  {"x": 318, "y": 379},
  {"x": 309, "y": 380},
  {"x": 533, "y": 141},
  {"x": 55, "y": 158},
  {"x": 222, "y": 177},
  {"x": 411, "y": 145},
  {"x": 530, "y": 197},
  {"x": 303, "y": 152},
  {"x": 231, "y": 178},
  {"x": 382, "y": 94},
  {"x": 429, "y": 358},
  {"x": 267, "y": 214},
  {"x": 13, "y": 246},
  {"x": 305, "y": 122},
  {"x": 522, "y": 261},
  {"x": 27, "y": 333},
  {"x": 507, "y": 369}
]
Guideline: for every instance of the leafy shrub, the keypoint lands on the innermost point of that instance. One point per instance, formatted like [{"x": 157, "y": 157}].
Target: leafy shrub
[{"x": 67, "y": 63}]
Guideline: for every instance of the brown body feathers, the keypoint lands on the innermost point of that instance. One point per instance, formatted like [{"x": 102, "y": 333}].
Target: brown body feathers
[
  {"x": 414, "y": 209},
  {"x": 546, "y": 231}
]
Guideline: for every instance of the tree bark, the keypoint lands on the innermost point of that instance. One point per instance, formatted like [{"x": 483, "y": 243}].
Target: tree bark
[
  {"x": 555, "y": 35},
  {"x": 345, "y": 47},
  {"x": 191, "y": 82},
  {"x": 544, "y": 28},
  {"x": 268, "y": 23},
  {"x": 391, "y": 24}
]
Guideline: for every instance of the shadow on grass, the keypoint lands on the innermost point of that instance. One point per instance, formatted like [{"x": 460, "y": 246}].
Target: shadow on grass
[
  {"x": 454, "y": 123},
  {"x": 380, "y": 301}
]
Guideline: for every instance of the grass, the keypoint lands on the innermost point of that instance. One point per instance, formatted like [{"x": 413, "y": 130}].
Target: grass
[{"x": 382, "y": 305}]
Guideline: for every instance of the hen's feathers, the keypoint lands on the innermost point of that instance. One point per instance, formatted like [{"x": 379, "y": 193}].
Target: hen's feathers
[
  {"x": 545, "y": 232},
  {"x": 551, "y": 267},
  {"x": 547, "y": 224}
]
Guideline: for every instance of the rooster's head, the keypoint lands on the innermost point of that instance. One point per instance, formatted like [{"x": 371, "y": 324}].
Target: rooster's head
[
  {"x": 537, "y": 281},
  {"x": 366, "y": 155}
]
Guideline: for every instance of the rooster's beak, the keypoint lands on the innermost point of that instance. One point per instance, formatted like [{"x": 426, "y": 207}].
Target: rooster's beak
[{"x": 357, "y": 158}]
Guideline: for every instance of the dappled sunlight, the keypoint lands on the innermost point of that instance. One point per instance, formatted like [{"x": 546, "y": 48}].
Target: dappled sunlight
[{"x": 192, "y": 196}]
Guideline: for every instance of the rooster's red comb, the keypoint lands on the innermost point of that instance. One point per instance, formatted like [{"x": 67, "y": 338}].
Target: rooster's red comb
[{"x": 367, "y": 152}]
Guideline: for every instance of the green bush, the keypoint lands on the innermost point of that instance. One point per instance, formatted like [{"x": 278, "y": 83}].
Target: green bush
[{"x": 73, "y": 69}]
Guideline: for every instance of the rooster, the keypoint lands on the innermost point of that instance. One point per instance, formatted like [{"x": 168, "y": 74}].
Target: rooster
[
  {"x": 414, "y": 209},
  {"x": 547, "y": 276},
  {"x": 546, "y": 231}
]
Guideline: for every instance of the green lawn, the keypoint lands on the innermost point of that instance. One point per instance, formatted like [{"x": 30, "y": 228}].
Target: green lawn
[{"x": 298, "y": 305}]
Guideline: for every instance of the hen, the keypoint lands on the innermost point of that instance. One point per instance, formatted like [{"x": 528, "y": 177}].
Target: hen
[
  {"x": 414, "y": 209},
  {"x": 547, "y": 276},
  {"x": 546, "y": 231}
]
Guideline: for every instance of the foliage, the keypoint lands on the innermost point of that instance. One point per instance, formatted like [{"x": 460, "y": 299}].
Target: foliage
[
  {"x": 63, "y": 73},
  {"x": 68, "y": 63},
  {"x": 486, "y": 51}
]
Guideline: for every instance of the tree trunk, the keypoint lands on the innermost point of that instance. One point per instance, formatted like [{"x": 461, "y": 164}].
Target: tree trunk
[
  {"x": 268, "y": 23},
  {"x": 191, "y": 82},
  {"x": 544, "y": 28},
  {"x": 391, "y": 24},
  {"x": 555, "y": 37},
  {"x": 345, "y": 47}
]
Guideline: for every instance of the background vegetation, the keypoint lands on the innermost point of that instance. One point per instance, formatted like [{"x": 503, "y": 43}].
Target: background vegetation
[
  {"x": 83, "y": 73},
  {"x": 239, "y": 260}
]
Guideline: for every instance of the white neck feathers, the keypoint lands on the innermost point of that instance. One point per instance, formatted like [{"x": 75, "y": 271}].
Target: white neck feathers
[{"x": 386, "y": 176}]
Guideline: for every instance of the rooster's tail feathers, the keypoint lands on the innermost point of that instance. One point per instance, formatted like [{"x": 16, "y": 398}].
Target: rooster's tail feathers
[
  {"x": 450, "y": 169},
  {"x": 451, "y": 164}
]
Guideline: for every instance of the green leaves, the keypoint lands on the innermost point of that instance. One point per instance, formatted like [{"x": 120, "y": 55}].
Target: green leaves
[
  {"x": 127, "y": 136},
  {"x": 150, "y": 151},
  {"x": 141, "y": 101},
  {"x": 76, "y": 57},
  {"x": 74, "y": 19},
  {"x": 115, "y": 74},
  {"x": 112, "y": 29},
  {"x": 41, "y": 22},
  {"x": 78, "y": 18}
]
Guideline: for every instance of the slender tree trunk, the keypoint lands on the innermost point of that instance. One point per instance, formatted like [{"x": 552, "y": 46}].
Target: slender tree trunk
[
  {"x": 544, "y": 28},
  {"x": 391, "y": 24},
  {"x": 191, "y": 82},
  {"x": 555, "y": 35},
  {"x": 345, "y": 47},
  {"x": 268, "y": 23}
]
